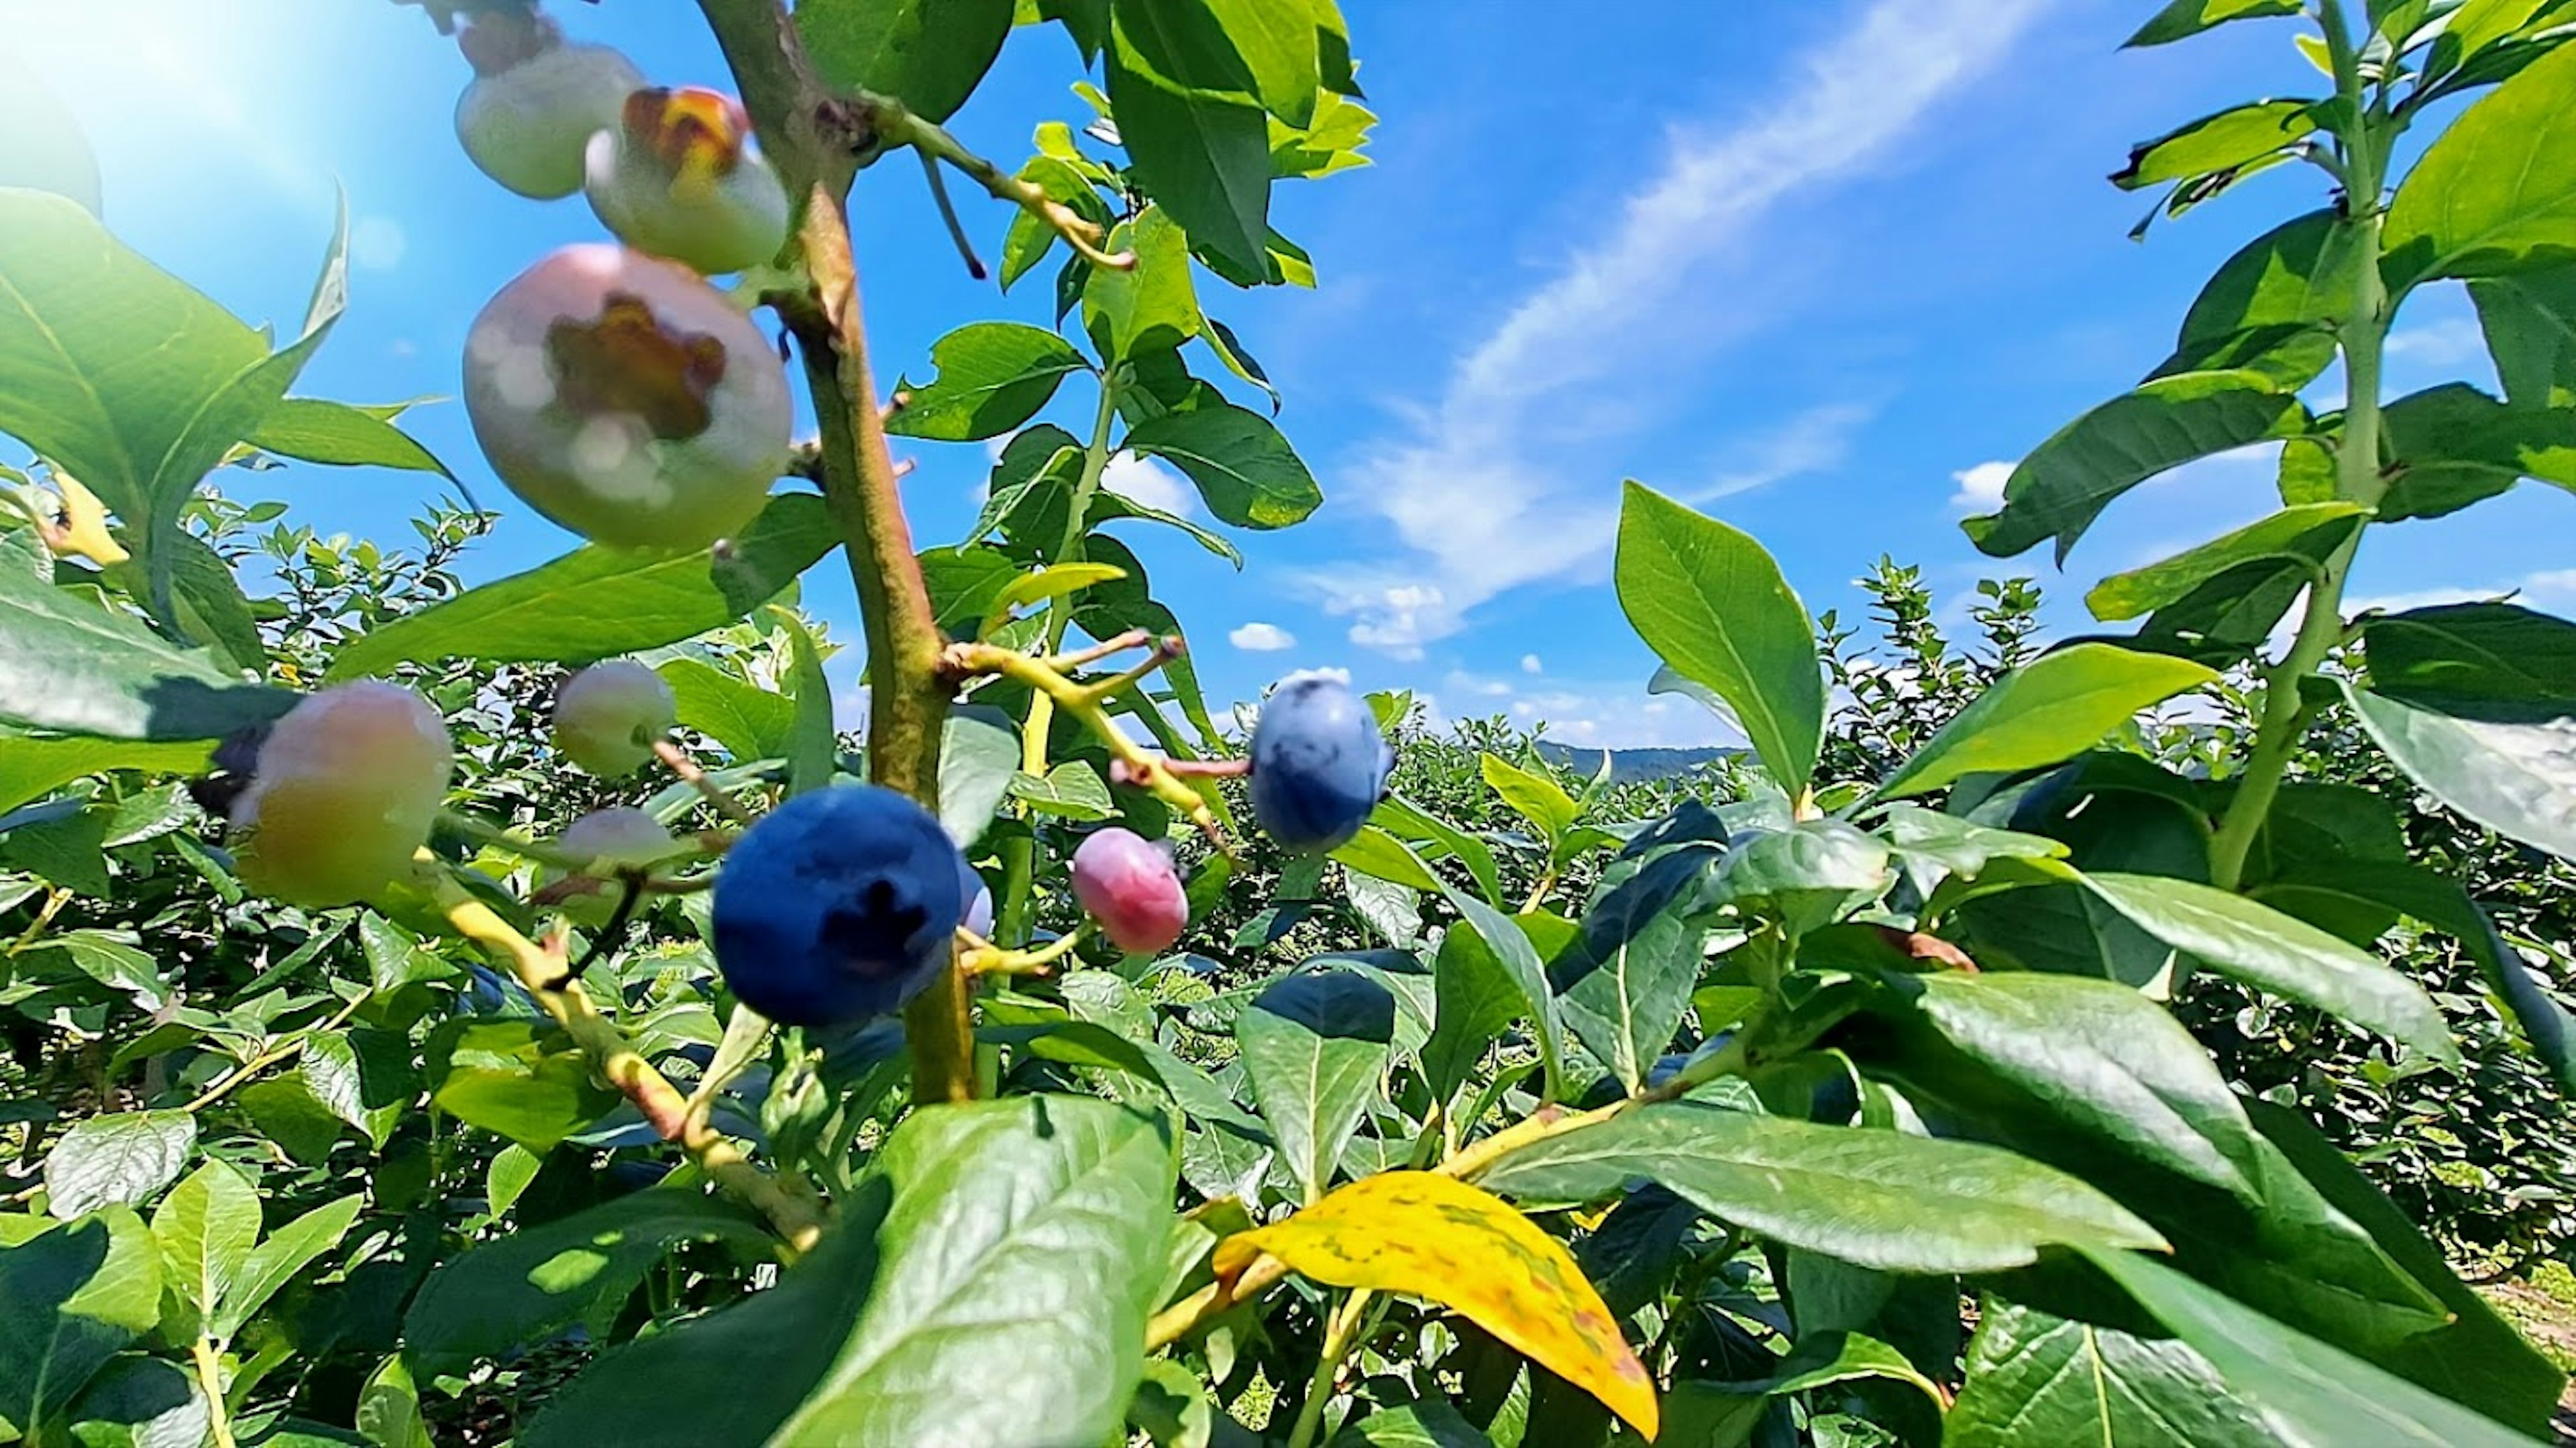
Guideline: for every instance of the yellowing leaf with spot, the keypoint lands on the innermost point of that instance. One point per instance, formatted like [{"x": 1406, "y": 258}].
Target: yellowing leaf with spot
[{"x": 1429, "y": 1236}]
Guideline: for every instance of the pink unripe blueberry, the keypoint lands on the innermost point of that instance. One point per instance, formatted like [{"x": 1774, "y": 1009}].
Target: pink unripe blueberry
[
  {"x": 626, "y": 399},
  {"x": 678, "y": 177},
  {"x": 344, "y": 791},
  {"x": 608, "y": 716},
  {"x": 535, "y": 102},
  {"x": 1129, "y": 886}
]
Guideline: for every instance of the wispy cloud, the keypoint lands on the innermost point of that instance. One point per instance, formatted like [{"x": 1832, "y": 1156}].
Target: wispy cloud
[
  {"x": 1150, "y": 483},
  {"x": 1261, "y": 638},
  {"x": 1981, "y": 488},
  {"x": 1496, "y": 484}
]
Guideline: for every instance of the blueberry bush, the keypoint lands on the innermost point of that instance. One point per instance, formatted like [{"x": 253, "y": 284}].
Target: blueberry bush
[{"x": 517, "y": 1013}]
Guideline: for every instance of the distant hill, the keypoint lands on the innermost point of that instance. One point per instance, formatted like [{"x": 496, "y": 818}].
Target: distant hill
[{"x": 1628, "y": 766}]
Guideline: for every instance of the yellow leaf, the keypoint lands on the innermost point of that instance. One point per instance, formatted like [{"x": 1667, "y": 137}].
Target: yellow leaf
[{"x": 1430, "y": 1236}]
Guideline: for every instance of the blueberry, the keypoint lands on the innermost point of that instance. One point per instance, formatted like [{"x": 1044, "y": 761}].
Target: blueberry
[
  {"x": 979, "y": 900},
  {"x": 1129, "y": 886},
  {"x": 839, "y": 905},
  {"x": 1319, "y": 764}
]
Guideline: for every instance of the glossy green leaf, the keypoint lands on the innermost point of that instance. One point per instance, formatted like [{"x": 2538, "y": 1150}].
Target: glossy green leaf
[
  {"x": 277, "y": 1261},
  {"x": 2050, "y": 709},
  {"x": 2305, "y": 534},
  {"x": 1150, "y": 307},
  {"x": 979, "y": 753},
  {"x": 2495, "y": 194},
  {"x": 1534, "y": 797},
  {"x": 1807, "y": 875},
  {"x": 206, "y": 1227},
  {"x": 1712, "y": 603},
  {"x": 1430, "y": 1423},
  {"x": 1276, "y": 39},
  {"x": 1056, "y": 580},
  {"x": 813, "y": 741},
  {"x": 1957, "y": 845},
  {"x": 2269, "y": 307},
  {"x": 1314, "y": 1045},
  {"x": 1242, "y": 464},
  {"x": 337, "y": 434},
  {"x": 537, "y": 1280},
  {"x": 2035, "y": 1379},
  {"x": 2225, "y": 141},
  {"x": 521, "y": 1078},
  {"x": 2478, "y": 1358},
  {"x": 31, "y": 768},
  {"x": 1625, "y": 983},
  {"x": 929, "y": 54},
  {"x": 1520, "y": 959},
  {"x": 77, "y": 1295},
  {"x": 2510, "y": 767},
  {"x": 2308, "y": 1393},
  {"x": 1474, "y": 1000},
  {"x": 2184, "y": 18},
  {"x": 141, "y": 1402},
  {"x": 749, "y": 721},
  {"x": 2068, "y": 480},
  {"x": 2254, "y": 944},
  {"x": 993, "y": 376},
  {"x": 118, "y": 1159},
  {"x": 595, "y": 603},
  {"x": 68, "y": 664},
  {"x": 1876, "y": 1198},
  {"x": 1071, "y": 790},
  {"x": 2458, "y": 650},
  {"x": 1183, "y": 98},
  {"x": 2454, "y": 445},
  {"x": 985, "y": 1284},
  {"x": 1381, "y": 856},
  {"x": 2530, "y": 326}
]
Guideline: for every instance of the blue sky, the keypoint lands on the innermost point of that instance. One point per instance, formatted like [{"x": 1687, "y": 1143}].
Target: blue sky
[{"x": 1821, "y": 267}]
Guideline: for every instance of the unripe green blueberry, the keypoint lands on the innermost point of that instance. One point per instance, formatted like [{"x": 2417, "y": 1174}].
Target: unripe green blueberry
[
  {"x": 1130, "y": 888},
  {"x": 678, "y": 177},
  {"x": 345, "y": 789},
  {"x": 535, "y": 102},
  {"x": 608, "y": 716},
  {"x": 624, "y": 398},
  {"x": 622, "y": 838}
]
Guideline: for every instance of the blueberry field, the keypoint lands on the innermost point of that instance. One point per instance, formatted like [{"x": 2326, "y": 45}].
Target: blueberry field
[{"x": 674, "y": 942}]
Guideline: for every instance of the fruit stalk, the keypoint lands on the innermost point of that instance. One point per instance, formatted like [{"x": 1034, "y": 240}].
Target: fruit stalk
[{"x": 542, "y": 974}]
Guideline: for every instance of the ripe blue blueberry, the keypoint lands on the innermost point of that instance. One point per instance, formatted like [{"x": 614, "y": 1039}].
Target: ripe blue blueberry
[
  {"x": 839, "y": 905},
  {"x": 978, "y": 898},
  {"x": 1319, "y": 764}
]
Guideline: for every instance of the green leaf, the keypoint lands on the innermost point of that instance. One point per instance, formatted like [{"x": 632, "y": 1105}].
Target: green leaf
[
  {"x": 1071, "y": 790},
  {"x": 2065, "y": 484},
  {"x": 929, "y": 54},
  {"x": 1314, "y": 1045},
  {"x": 2270, "y": 306},
  {"x": 69, "y": 664},
  {"x": 1807, "y": 875},
  {"x": 538, "y": 1280},
  {"x": 979, "y": 752},
  {"x": 1056, "y": 580},
  {"x": 388, "y": 1414},
  {"x": 595, "y": 603},
  {"x": 2258, "y": 946},
  {"x": 1242, "y": 464},
  {"x": 2495, "y": 194},
  {"x": 2184, "y": 18},
  {"x": 749, "y": 721},
  {"x": 2530, "y": 326},
  {"x": 1879, "y": 1199},
  {"x": 2478, "y": 1358},
  {"x": 2305, "y": 534},
  {"x": 1510, "y": 945},
  {"x": 32, "y": 768},
  {"x": 986, "y": 1283},
  {"x": 1712, "y": 603},
  {"x": 206, "y": 1228},
  {"x": 1625, "y": 983},
  {"x": 2226, "y": 141},
  {"x": 140, "y": 1402},
  {"x": 1429, "y": 1423},
  {"x": 813, "y": 745},
  {"x": 2050, "y": 709},
  {"x": 77, "y": 1295},
  {"x": 337, "y": 434},
  {"x": 2310, "y": 1394},
  {"x": 1182, "y": 96},
  {"x": 2034, "y": 1378},
  {"x": 2454, "y": 445},
  {"x": 2510, "y": 767},
  {"x": 118, "y": 1159},
  {"x": 993, "y": 376},
  {"x": 1474, "y": 1000},
  {"x": 275, "y": 1262},
  {"x": 1534, "y": 797},
  {"x": 2459, "y": 650},
  {"x": 521, "y": 1078},
  {"x": 1150, "y": 307},
  {"x": 107, "y": 363},
  {"x": 1381, "y": 856}
]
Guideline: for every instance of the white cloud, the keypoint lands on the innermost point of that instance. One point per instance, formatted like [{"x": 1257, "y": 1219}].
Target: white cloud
[
  {"x": 1530, "y": 664},
  {"x": 1149, "y": 482},
  {"x": 1261, "y": 638},
  {"x": 1614, "y": 714},
  {"x": 1501, "y": 481},
  {"x": 2450, "y": 342},
  {"x": 1981, "y": 488}
]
